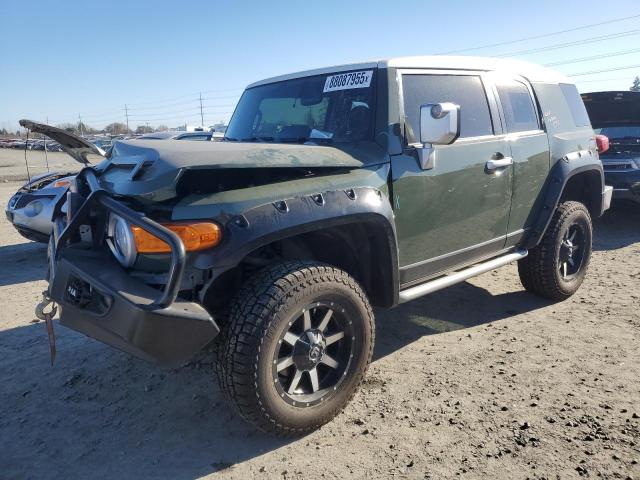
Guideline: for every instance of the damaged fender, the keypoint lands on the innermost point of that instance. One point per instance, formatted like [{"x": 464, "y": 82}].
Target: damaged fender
[{"x": 255, "y": 223}]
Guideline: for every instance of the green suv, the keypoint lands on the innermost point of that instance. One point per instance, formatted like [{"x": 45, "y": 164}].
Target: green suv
[{"x": 334, "y": 190}]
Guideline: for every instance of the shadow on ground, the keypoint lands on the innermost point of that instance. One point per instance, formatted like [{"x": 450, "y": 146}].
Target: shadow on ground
[
  {"x": 99, "y": 412},
  {"x": 619, "y": 227},
  {"x": 22, "y": 262}
]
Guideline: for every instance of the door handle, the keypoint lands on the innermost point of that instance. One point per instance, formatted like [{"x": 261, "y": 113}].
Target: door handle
[{"x": 493, "y": 165}]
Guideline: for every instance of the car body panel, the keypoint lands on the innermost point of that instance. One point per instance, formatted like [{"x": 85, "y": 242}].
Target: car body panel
[
  {"x": 78, "y": 148},
  {"x": 235, "y": 202},
  {"x": 160, "y": 164},
  {"x": 451, "y": 207},
  {"x": 31, "y": 208},
  {"x": 531, "y": 163}
]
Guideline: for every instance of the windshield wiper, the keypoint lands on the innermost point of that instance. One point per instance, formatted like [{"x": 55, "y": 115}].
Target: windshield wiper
[
  {"x": 258, "y": 139},
  {"x": 305, "y": 139}
]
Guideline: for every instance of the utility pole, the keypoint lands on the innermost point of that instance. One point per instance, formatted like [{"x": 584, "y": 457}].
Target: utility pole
[
  {"x": 201, "y": 116},
  {"x": 46, "y": 156},
  {"x": 80, "y": 125},
  {"x": 126, "y": 114}
]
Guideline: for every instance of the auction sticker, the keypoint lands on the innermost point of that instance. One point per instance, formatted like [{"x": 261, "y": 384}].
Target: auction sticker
[{"x": 346, "y": 81}]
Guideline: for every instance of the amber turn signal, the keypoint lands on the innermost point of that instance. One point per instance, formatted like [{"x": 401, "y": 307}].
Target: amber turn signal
[
  {"x": 195, "y": 236},
  {"x": 62, "y": 183}
]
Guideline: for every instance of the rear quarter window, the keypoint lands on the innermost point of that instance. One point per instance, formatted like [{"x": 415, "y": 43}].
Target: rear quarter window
[
  {"x": 519, "y": 110},
  {"x": 576, "y": 105}
]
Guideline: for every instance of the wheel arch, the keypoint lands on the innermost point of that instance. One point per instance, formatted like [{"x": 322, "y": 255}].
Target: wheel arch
[
  {"x": 351, "y": 230},
  {"x": 574, "y": 178}
]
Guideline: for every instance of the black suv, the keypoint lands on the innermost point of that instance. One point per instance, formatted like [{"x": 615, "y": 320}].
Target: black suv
[{"x": 617, "y": 115}]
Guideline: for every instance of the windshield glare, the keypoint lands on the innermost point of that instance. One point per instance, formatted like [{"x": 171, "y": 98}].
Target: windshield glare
[{"x": 320, "y": 109}]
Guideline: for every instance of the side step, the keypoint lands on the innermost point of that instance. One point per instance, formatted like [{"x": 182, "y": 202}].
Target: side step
[{"x": 460, "y": 276}]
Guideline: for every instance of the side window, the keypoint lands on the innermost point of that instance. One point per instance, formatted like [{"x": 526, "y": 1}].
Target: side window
[
  {"x": 465, "y": 90},
  {"x": 576, "y": 105},
  {"x": 518, "y": 107}
]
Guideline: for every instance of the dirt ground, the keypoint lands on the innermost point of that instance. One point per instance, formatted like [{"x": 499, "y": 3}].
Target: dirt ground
[
  {"x": 481, "y": 380},
  {"x": 12, "y": 163}
]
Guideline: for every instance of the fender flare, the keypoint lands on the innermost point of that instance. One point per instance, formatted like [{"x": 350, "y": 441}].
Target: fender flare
[
  {"x": 264, "y": 224},
  {"x": 572, "y": 164}
]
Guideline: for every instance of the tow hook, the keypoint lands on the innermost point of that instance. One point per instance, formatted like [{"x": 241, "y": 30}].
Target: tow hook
[{"x": 48, "y": 319}]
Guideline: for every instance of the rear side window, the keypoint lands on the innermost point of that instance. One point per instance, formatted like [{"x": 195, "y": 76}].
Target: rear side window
[
  {"x": 576, "y": 105},
  {"x": 466, "y": 91},
  {"x": 518, "y": 107}
]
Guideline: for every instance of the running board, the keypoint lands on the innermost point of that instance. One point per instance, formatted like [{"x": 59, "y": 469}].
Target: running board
[{"x": 460, "y": 276}]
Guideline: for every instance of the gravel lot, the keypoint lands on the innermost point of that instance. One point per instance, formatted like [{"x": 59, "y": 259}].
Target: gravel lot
[
  {"x": 481, "y": 380},
  {"x": 12, "y": 163}
]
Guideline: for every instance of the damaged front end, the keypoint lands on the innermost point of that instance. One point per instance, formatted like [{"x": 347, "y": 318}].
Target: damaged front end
[
  {"x": 132, "y": 257},
  {"x": 102, "y": 300}
]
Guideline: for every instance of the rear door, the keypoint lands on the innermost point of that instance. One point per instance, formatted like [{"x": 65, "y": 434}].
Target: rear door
[
  {"x": 457, "y": 211},
  {"x": 529, "y": 147}
]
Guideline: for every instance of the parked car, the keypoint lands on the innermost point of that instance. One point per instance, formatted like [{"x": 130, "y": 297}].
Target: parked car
[
  {"x": 30, "y": 209},
  {"x": 617, "y": 116},
  {"x": 171, "y": 135},
  {"x": 335, "y": 189}
]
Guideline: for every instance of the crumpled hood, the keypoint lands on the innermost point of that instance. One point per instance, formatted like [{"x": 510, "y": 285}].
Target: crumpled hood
[
  {"x": 150, "y": 169},
  {"x": 173, "y": 155}
]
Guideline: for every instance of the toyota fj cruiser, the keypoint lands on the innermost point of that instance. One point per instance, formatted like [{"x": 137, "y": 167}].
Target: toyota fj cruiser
[{"x": 334, "y": 190}]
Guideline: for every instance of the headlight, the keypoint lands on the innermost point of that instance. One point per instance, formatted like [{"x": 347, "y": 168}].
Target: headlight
[
  {"x": 637, "y": 162},
  {"x": 33, "y": 208},
  {"x": 120, "y": 240}
]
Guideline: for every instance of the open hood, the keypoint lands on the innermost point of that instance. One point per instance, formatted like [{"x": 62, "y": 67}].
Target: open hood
[
  {"x": 77, "y": 147},
  {"x": 607, "y": 109}
]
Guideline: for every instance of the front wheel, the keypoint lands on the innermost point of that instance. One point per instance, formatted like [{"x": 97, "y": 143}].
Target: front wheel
[
  {"x": 557, "y": 266},
  {"x": 297, "y": 344}
]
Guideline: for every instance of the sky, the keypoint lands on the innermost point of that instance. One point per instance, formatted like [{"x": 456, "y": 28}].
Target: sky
[{"x": 69, "y": 59}]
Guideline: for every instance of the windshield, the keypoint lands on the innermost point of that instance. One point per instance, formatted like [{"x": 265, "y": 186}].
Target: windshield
[
  {"x": 320, "y": 109},
  {"x": 627, "y": 132}
]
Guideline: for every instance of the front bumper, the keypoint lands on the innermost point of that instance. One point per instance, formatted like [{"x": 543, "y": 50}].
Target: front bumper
[
  {"x": 100, "y": 299},
  {"x": 31, "y": 212},
  {"x": 626, "y": 185}
]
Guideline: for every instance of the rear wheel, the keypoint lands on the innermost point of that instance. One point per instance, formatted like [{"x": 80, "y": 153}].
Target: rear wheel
[
  {"x": 557, "y": 266},
  {"x": 296, "y": 346}
]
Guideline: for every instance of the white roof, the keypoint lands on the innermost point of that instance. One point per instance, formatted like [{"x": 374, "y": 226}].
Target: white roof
[{"x": 530, "y": 71}]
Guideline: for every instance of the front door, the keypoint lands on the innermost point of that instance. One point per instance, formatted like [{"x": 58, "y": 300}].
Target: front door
[{"x": 457, "y": 211}]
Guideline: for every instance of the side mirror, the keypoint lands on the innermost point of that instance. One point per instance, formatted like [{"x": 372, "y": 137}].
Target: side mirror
[{"x": 439, "y": 123}]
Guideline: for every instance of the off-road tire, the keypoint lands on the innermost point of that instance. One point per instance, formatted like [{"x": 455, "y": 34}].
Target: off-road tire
[
  {"x": 539, "y": 271},
  {"x": 259, "y": 315}
]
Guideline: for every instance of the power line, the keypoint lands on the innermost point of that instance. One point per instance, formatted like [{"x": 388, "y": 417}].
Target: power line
[
  {"x": 570, "y": 44},
  {"x": 169, "y": 105},
  {"x": 628, "y": 67},
  {"x": 193, "y": 109},
  {"x": 535, "y": 37},
  {"x": 594, "y": 57},
  {"x": 619, "y": 79},
  {"x": 193, "y": 95}
]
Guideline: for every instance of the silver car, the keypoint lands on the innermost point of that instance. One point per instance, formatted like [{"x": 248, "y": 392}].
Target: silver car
[{"x": 30, "y": 209}]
